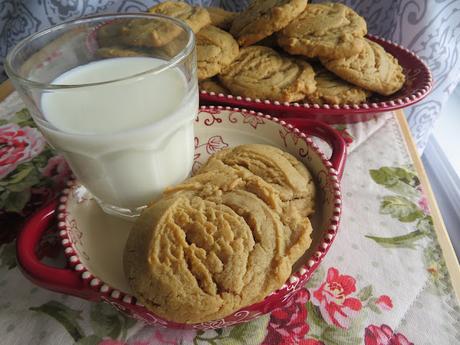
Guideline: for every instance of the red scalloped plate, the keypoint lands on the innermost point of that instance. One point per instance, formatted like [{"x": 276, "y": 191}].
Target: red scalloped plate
[
  {"x": 417, "y": 86},
  {"x": 94, "y": 241}
]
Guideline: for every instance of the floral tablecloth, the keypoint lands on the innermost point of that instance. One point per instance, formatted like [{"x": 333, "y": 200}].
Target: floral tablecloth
[{"x": 384, "y": 282}]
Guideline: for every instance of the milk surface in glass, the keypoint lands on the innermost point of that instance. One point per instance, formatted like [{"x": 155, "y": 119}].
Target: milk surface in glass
[{"x": 125, "y": 140}]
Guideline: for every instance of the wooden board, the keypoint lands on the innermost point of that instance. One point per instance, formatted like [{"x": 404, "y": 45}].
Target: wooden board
[
  {"x": 441, "y": 232},
  {"x": 5, "y": 89}
]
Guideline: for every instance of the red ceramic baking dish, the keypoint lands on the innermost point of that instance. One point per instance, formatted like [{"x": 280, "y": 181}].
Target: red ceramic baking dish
[
  {"x": 93, "y": 241},
  {"x": 417, "y": 86}
]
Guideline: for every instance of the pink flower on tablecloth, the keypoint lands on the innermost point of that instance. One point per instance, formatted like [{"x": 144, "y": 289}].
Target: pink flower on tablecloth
[
  {"x": 423, "y": 204},
  {"x": 18, "y": 145},
  {"x": 331, "y": 298},
  {"x": 310, "y": 341},
  {"x": 383, "y": 335},
  {"x": 384, "y": 302},
  {"x": 288, "y": 325},
  {"x": 58, "y": 170}
]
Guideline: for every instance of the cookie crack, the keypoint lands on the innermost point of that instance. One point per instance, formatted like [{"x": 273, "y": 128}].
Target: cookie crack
[{"x": 187, "y": 255}]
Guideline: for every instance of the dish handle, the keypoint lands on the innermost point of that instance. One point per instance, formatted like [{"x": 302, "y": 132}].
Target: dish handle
[
  {"x": 327, "y": 133},
  {"x": 61, "y": 280}
]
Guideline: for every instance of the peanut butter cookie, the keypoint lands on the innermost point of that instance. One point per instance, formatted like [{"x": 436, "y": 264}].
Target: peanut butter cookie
[
  {"x": 276, "y": 177},
  {"x": 372, "y": 69},
  {"x": 264, "y": 17},
  {"x": 212, "y": 85},
  {"x": 217, "y": 242},
  {"x": 108, "y": 34},
  {"x": 331, "y": 30},
  {"x": 221, "y": 179},
  {"x": 149, "y": 33},
  {"x": 196, "y": 17},
  {"x": 117, "y": 51},
  {"x": 221, "y": 18},
  {"x": 216, "y": 49},
  {"x": 201, "y": 253},
  {"x": 330, "y": 89},
  {"x": 283, "y": 172},
  {"x": 261, "y": 72}
]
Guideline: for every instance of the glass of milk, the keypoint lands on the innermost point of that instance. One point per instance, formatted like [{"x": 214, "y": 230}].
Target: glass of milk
[{"x": 117, "y": 95}]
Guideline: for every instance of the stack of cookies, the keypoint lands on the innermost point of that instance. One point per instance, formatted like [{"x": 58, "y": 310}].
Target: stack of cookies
[
  {"x": 283, "y": 50},
  {"x": 224, "y": 238}
]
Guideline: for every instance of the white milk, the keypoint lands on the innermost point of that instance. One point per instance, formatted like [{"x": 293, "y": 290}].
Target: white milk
[{"x": 127, "y": 140}]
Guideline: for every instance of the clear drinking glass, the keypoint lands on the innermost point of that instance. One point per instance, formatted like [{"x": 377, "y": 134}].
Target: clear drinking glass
[{"x": 117, "y": 95}]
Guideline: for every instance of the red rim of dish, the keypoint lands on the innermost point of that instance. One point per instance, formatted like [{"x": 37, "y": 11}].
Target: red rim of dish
[{"x": 407, "y": 58}]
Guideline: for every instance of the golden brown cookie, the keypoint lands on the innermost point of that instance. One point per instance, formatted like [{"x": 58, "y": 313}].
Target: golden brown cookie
[
  {"x": 212, "y": 85},
  {"x": 261, "y": 72},
  {"x": 372, "y": 69},
  {"x": 196, "y": 17},
  {"x": 220, "y": 179},
  {"x": 264, "y": 17},
  {"x": 330, "y": 89},
  {"x": 200, "y": 253},
  {"x": 109, "y": 34},
  {"x": 221, "y": 18},
  {"x": 283, "y": 172},
  {"x": 331, "y": 30},
  {"x": 150, "y": 33},
  {"x": 216, "y": 49},
  {"x": 118, "y": 51},
  {"x": 218, "y": 241}
]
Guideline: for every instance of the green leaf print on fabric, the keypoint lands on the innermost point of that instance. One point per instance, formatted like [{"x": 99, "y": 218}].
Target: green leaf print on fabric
[
  {"x": 316, "y": 278},
  {"x": 335, "y": 336},
  {"x": 437, "y": 270},
  {"x": 90, "y": 340},
  {"x": 15, "y": 188},
  {"x": 400, "y": 180},
  {"x": 365, "y": 293},
  {"x": 405, "y": 241},
  {"x": 315, "y": 321},
  {"x": 106, "y": 321},
  {"x": 252, "y": 332},
  {"x": 8, "y": 255},
  {"x": 66, "y": 316},
  {"x": 372, "y": 304},
  {"x": 425, "y": 225},
  {"x": 16, "y": 201},
  {"x": 407, "y": 206},
  {"x": 24, "y": 176},
  {"x": 405, "y": 183},
  {"x": 23, "y": 119},
  {"x": 400, "y": 208}
]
